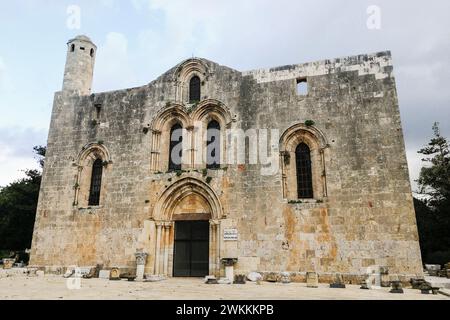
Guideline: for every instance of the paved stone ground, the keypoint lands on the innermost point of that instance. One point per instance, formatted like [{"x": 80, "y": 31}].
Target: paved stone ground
[
  {"x": 439, "y": 282},
  {"x": 55, "y": 288}
]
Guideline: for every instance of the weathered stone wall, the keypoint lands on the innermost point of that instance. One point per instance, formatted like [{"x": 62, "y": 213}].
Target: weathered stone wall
[{"x": 365, "y": 218}]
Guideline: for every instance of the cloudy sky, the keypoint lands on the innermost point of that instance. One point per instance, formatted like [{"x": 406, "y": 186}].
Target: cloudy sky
[{"x": 140, "y": 39}]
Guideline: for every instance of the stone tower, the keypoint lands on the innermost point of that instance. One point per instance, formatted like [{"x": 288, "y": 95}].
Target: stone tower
[{"x": 80, "y": 63}]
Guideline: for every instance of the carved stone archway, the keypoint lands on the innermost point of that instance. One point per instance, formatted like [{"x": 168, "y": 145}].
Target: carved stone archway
[{"x": 186, "y": 199}]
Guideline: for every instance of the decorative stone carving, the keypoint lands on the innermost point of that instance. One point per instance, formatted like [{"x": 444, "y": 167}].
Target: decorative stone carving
[
  {"x": 285, "y": 277},
  {"x": 229, "y": 262},
  {"x": 8, "y": 263},
  {"x": 141, "y": 259},
  {"x": 114, "y": 274},
  {"x": 229, "y": 267}
]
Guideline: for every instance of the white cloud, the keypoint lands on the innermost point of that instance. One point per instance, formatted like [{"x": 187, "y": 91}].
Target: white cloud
[
  {"x": 255, "y": 34},
  {"x": 16, "y": 151},
  {"x": 12, "y": 166},
  {"x": 113, "y": 68}
]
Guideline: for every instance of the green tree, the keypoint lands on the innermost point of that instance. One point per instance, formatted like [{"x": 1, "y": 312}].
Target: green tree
[
  {"x": 18, "y": 203},
  {"x": 433, "y": 211}
]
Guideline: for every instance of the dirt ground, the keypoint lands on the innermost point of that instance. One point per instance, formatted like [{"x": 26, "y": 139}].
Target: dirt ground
[{"x": 58, "y": 288}]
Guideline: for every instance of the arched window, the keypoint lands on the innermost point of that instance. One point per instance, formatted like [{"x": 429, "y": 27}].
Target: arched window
[
  {"x": 304, "y": 171},
  {"x": 92, "y": 53},
  {"x": 213, "y": 145},
  {"x": 72, "y": 48},
  {"x": 96, "y": 183},
  {"x": 194, "y": 89},
  {"x": 176, "y": 147}
]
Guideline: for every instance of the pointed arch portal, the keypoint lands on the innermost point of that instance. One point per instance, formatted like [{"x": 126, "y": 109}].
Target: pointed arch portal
[{"x": 187, "y": 219}]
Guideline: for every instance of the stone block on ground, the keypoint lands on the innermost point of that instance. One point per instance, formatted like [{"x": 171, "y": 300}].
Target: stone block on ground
[
  {"x": 417, "y": 282},
  {"x": 338, "y": 282},
  {"x": 312, "y": 280},
  {"x": 254, "y": 276},
  {"x": 104, "y": 274},
  {"x": 224, "y": 281},
  {"x": 365, "y": 284},
  {"x": 114, "y": 274},
  {"x": 396, "y": 287},
  {"x": 433, "y": 269},
  {"x": 8, "y": 263},
  {"x": 239, "y": 279},
  {"x": 211, "y": 280},
  {"x": 285, "y": 277},
  {"x": 272, "y": 277}
]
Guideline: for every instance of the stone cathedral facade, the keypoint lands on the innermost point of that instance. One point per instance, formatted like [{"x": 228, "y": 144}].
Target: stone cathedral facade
[{"x": 339, "y": 200}]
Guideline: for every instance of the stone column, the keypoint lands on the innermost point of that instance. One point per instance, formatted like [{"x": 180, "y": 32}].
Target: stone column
[
  {"x": 161, "y": 249},
  {"x": 212, "y": 260},
  {"x": 216, "y": 245},
  {"x": 283, "y": 156},
  {"x": 141, "y": 259},
  {"x": 324, "y": 172},
  {"x": 155, "y": 151},
  {"x": 166, "y": 248},
  {"x": 189, "y": 147},
  {"x": 77, "y": 189},
  {"x": 158, "y": 247}
]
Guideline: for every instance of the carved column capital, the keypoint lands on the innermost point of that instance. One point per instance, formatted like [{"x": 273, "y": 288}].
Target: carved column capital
[
  {"x": 141, "y": 258},
  {"x": 214, "y": 222},
  {"x": 167, "y": 224},
  {"x": 159, "y": 223}
]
